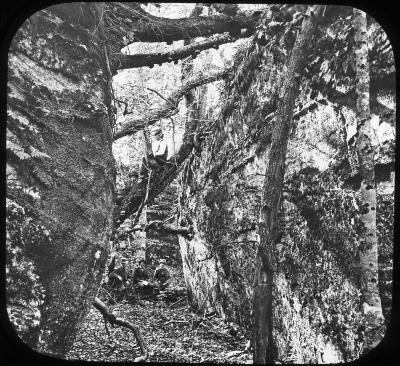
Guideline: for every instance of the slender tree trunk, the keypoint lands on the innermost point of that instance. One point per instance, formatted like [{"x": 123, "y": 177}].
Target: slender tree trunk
[
  {"x": 265, "y": 261},
  {"x": 368, "y": 250}
]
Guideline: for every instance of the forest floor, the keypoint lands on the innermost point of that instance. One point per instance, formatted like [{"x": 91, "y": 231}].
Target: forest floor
[
  {"x": 171, "y": 334},
  {"x": 173, "y": 331}
]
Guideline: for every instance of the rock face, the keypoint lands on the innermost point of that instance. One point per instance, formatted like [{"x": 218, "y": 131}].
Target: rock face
[
  {"x": 317, "y": 300},
  {"x": 60, "y": 174}
]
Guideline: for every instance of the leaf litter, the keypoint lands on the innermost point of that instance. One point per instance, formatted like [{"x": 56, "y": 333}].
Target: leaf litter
[{"x": 173, "y": 333}]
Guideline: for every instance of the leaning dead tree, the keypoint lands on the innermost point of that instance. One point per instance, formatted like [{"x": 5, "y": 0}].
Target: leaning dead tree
[
  {"x": 148, "y": 187},
  {"x": 170, "y": 105}
]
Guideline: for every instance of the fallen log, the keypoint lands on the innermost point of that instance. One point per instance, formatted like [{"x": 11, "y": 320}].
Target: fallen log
[{"x": 112, "y": 319}]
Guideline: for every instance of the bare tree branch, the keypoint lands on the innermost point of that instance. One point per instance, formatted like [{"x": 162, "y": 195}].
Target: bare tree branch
[
  {"x": 193, "y": 49},
  {"x": 156, "y": 92},
  {"x": 110, "y": 317},
  {"x": 169, "y": 107},
  {"x": 139, "y": 26}
]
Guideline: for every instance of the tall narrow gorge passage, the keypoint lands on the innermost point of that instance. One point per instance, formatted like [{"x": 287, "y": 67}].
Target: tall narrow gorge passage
[{"x": 200, "y": 182}]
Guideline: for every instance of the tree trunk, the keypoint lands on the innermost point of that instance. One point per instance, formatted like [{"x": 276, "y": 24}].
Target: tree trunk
[
  {"x": 59, "y": 153},
  {"x": 368, "y": 250},
  {"x": 192, "y": 49},
  {"x": 265, "y": 261},
  {"x": 140, "y": 26}
]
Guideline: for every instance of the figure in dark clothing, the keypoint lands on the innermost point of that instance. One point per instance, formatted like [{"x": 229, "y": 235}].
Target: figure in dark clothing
[
  {"x": 140, "y": 273},
  {"x": 141, "y": 279},
  {"x": 111, "y": 266},
  {"x": 162, "y": 276},
  {"x": 119, "y": 279}
]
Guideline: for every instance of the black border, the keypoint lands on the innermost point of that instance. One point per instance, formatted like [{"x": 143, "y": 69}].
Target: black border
[{"x": 14, "y": 352}]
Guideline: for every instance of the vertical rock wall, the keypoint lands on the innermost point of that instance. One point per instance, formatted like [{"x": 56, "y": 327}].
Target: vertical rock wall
[
  {"x": 317, "y": 310},
  {"x": 60, "y": 172}
]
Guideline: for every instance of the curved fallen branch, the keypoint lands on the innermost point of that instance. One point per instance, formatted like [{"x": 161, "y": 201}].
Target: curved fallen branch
[
  {"x": 112, "y": 319},
  {"x": 170, "y": 106}
]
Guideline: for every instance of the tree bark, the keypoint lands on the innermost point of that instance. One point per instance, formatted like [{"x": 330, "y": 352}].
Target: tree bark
[
  {"x": 59, "y": 146},
  {"x": 265, "y": 260},
  {"x": 139, "y": 26},
  {"x": 170, "y": 105},
  {"x": 368, "y": 249},
  {"x": 193, "y": 49}
]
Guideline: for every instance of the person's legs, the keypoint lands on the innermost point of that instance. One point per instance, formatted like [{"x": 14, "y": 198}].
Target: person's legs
[{"x": 121, "y": 291}]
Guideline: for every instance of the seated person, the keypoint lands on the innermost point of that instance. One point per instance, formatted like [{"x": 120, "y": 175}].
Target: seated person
[
  {"x": 118, "y": 278},
  {"x": 140, "y": 276},
  {"x": 161, "y": 275},
  {"x": 156, "y": 153},
  {"x": 160, "y": 148}
]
